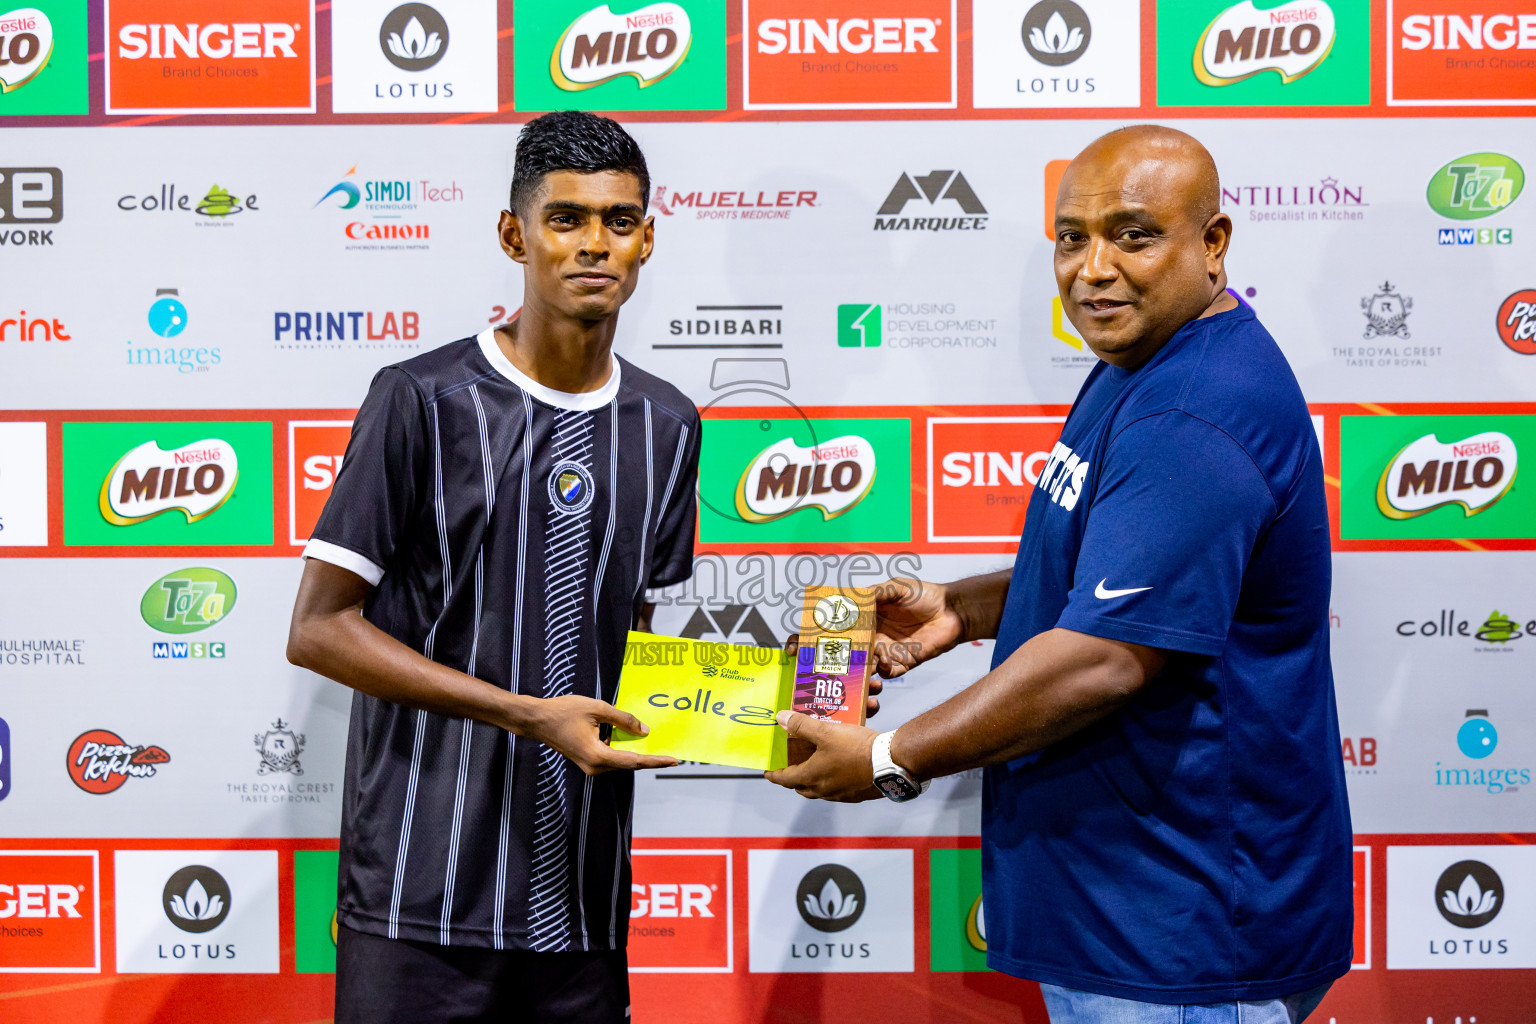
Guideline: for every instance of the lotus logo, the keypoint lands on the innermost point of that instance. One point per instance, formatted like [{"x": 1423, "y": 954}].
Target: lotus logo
[
  {"x": 195, "y": 479},
  {"x": 830, "y": 898},
  {"x": 26, "y": 43},
  {"x": 785, "y": 477},
  {"x": 1056, "y": 32},
  {"x": 196, "y": 899},
  {"x": 1242, "y": 41},
  {"x": 648, "y": 45},
  {"x": 1473, "y": 473},
  {"x": 413, "y": 37},
  {"x": 1468, "y": 894}
]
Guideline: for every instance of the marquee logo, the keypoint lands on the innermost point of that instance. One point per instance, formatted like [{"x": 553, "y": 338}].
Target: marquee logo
[
  {"x": 1475, "y": 186},
  {"x": 1430, "y": 473},
  {"x": 1517, "y": 322},
  {"x": 188, "y": 600},
  {"x": 932, "y": 187},
  {"x": 599, "y": 46},
  {"x": 784, "y": 477},
  {"x": 99, "y": 761},
  {"x": 194, "y": 479},
  {"x": 1242, "y": 41},
  {"x": 26, "y": 43}
]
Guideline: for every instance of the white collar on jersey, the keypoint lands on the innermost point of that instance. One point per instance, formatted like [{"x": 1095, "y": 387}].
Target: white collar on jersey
[{"x": 583, "y": 402}]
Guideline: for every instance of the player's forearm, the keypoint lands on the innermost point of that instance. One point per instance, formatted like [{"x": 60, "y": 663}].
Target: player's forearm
[
  {"x": 1056, "y": 684},
  {"x": 978, "y": 600}
]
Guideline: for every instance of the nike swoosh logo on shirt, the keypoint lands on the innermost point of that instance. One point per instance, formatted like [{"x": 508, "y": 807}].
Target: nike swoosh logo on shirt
[{"x": 1104, "y": 595}]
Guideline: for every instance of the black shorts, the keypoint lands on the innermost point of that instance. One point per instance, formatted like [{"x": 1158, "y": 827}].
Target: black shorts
[{"x": 380, "y": 981}]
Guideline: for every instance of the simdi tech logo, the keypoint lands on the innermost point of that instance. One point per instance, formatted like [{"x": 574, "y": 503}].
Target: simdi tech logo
[
  {"x": 621, "y": 56},
  {"x": 1047, "y": 54},
  {"x": 216, "y": 56},
  {"x": 50, "y": 911},
  {"x": 848, "y": 54},
  {"x": 1461, "y": 907},
  {"x": 1461, "y": 52},
  {"x": 1435, "y": 477},
  {"x": 413, "y": 57},
  {"x": 43, "y": 59},
  {"x": 143, "y": 483},
  {"x": 1300, "y": 53},
  {"x": 196, "y": 911},
  {"x": 397, "y": 210}
]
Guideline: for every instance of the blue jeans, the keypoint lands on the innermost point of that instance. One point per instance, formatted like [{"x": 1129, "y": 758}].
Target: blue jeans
[{"x": 1069, "y": 1006}]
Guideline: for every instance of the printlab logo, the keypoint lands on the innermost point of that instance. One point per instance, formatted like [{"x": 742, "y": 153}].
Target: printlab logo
[
  {"x": 1386, "y": 314},
  {"x": 414, "y": 37},
  {"x": 1469, "y": 894},
  {"x": 1429, "y": 474},
  {"x": 950, "y": 186},
  {"x": 361, "y": 329},
  {"x": 196, "y": 899},
  {"x": 1056, "y": 32},
  {"x": 830, "y": 898},
  {"x": 279, "y": 747},
  {"x": 99, "y": 761},
  {"x": 1517, "y": 322},
  {"x": 30, "y": 196}
]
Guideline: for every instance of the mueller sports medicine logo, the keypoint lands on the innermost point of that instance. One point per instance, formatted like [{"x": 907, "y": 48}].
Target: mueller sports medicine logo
[
  {"x": 833, "y": 476},
  {"x": 1517, "y": 322},
  {"x": 948, "y": 186},
  {"x": 1494, "y": 636},
  {"x": 599, "y": 46},
  {"x": 747, "y": 204},
  {"x": 1242, "y": 41},
  {"x": 194, "y": 479},
  {"x": 29, "y": 196},
  {"x": 1429, "y": 473},
  {"x": 99, "y": 761},
  {"x": 26, "y": 43},
  {"x": 1441, "y": 53}
]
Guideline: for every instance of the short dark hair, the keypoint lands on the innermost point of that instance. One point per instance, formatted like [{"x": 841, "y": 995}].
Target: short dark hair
[{"x": 573, "y": 140}]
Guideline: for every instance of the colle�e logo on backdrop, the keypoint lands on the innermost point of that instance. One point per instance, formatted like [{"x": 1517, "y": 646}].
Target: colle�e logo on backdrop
[
  {"x": 315, "y": 452},
  {"x": 681, "y": 912},
  {"x": 23, "y": 484},
  {"x": 981, "y": 473},
  {"x": 1517, "y": 322},
  {"x": 387, "y": 56},
  {"x": 1056, "y": 53},
  {"x": 29, "y": 197},
  {"x": 950, "y": 186},
  {"x": 50, "y": 911},
  {"x": 830, "y": 911},
  {"x": 848, "y": 54},
  {"x": 100, "y": 761},
  {"x": 619, "y": 56},
  {"x": 196, "y": 911},
  {"x": 1461, "y": 52},
  {"x": 1461, "y": 907},
  {"x": 1495, "y": 634},
  {"x": 43, "y": 59},
  {"x": 215, "y": 207},
  {"x": 238, "y": 57},
  {"x": 1303, "y": 52}
]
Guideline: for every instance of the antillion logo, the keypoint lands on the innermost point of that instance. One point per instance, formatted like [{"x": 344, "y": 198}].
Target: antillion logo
[{"x": 934, "y": 186}]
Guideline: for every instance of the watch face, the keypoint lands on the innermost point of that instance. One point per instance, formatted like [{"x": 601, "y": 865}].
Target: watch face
[{"x": 896, "y": 788}]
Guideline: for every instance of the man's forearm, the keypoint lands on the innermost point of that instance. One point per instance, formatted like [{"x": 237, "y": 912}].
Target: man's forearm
[{"x": 979, "y": 600}]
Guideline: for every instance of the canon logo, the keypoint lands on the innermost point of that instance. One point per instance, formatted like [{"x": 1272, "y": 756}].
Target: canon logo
[
  {"x": 850, "y": 35},
  {"x": 30, "y": 900},
  {"x": 671, "y": 899},
  {"x": 1474, "y": 31},
  {"x": 215, "y": 41}
]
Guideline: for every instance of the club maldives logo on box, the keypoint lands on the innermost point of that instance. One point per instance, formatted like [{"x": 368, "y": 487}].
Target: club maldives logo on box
[
  {"x": 168, "y": 483},
  {"x": 1461, "y": 52},
  {"x": 1429, "y": 477},
  {"x": 210, "y": 56},
  {"x": 790, "y": 479},
  {"x": 680, "y": 912},
  {"x": 315, "y": 452},
  {"x": 50, "y": 912},
  {"x": 659, "y": 56},
  {"x": 43, "y": 58},
  {"x": 848, "y": 54},
  {"x": 1301, "y": 53},
  {"x": 981, "y": 473}
]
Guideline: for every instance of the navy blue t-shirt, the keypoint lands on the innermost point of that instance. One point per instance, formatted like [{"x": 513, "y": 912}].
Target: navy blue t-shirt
[{"x": 1193, "y": 846}]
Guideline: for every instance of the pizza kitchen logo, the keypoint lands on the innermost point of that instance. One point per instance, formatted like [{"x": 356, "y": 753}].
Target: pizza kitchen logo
[
  {"x": 1517, "y": 322},
  {"x": 99, "y": 761},
  {"x": 1429, "y": 474},
  {"x": 195, "y": 479},
  {"x": 1243, "y": 41},
  {"x": 599, "y": 46},
  {"x": 784, "y": 477}
]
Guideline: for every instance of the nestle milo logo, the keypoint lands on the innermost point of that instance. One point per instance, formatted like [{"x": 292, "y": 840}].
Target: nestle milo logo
[
  {"x": 1428, "y": 473},
  {"x": 188, "y": 600},
  {"x": 194, "y": 479},
  {"x": 1475, "y": 186},
  {"x": 833, "y": 477}
]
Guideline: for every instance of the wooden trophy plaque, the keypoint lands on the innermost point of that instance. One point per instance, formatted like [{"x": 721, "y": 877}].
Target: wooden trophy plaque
[{"x": 832, "y": 668}]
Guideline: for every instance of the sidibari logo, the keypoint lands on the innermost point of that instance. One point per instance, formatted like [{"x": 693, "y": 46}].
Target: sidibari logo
[
  {"x": 1516, "y": 323},
  {"x": 647, "y": 44},
  {"x": 1242, "y": 41},
  {"x": 26, "y": 43},
  {"x": 188, "y": 600},
  {"x": 1429, "y": 473},
  {"x": 1475, "y": 186},
  {"x": 830, "y": 898},
  {"x": 784, "y": 477},
  {"x": 100, "y": 762},
  {"x": 196, "y": 899},
  {"x": 195, "y": 479},
  {"x": 1469, "y": 894}
]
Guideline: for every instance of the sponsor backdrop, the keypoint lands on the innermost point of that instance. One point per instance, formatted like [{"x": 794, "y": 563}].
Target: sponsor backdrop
[{"x": 218, "y": 220}]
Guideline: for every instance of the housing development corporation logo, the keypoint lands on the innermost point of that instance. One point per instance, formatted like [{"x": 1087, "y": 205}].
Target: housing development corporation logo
[
  {"x": 1444, "y": 52},
  {"x": 42, "y": 60},
  {"x": 100, "y": 761},
  {"x": 1429, "y": 473},
  {"x": 1242, "y": 41},
  {"x": 949, "y": 186}
]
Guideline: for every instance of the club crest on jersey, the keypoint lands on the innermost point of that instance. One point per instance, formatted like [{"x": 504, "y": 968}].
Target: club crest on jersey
[{"x": 570, "y": 487}]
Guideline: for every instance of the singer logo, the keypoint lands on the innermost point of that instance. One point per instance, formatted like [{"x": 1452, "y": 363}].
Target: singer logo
[
  {"x": 49, "y": 915},
  {"x": 239, "y": 56},
  {"x": 1429, "y": 473},
  {"x": 1467, "y": 52},
  {"x": 647, "y": 44},
  {"x": 315, "y": 451},
  {"x": 981, "y": 473},
  {"x": 1291, "y": 40},
  {"x": 844, "y": 54},
  {"x": 195, "y": 480},
  {"x": 680, "y": 912},
  {"x": 833, "y": 476}
]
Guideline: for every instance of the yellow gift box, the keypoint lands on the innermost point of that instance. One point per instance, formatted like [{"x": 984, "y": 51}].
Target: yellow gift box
[{"x": 707, "y": 702}]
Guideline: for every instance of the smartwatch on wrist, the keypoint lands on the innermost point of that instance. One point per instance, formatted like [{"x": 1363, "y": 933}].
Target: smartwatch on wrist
[{"x": 891, "y": 778}]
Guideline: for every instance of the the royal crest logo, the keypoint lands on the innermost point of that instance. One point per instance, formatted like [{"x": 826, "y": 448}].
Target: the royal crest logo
[
  {"x": 99, "y": 761},
  {"x": 1429, "y": 473},
  {"x": 784, "y": 477},
  {"x": 1243, "y": 41},
  {"x": 600, "y": 46},
  {"x": 26, "y": 43},
  {"x": 194, "y": 479},
  {"x": 279, "y": 748},
  {"x": 1386, "y": 314},
  {"x": 570, "y": 487}
]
